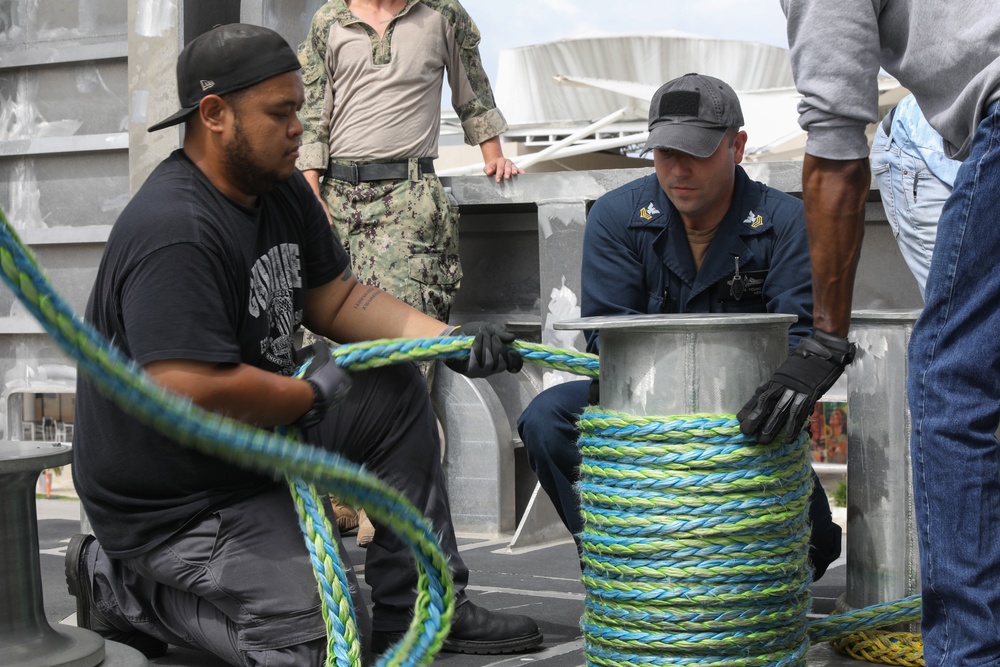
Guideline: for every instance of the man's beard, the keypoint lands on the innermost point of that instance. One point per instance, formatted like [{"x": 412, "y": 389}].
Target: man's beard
[{"x": 243, "y": 168}]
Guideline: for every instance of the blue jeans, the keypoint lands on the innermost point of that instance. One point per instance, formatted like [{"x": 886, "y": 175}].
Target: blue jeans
[
  {"x": 912, "y": 194},
  {"x": 954, "y": 394},
  {"x": 548, "y": 429}
]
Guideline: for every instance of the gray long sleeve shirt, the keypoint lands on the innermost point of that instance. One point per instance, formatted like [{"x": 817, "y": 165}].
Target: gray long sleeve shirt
[{"x": 946, "y": 52}]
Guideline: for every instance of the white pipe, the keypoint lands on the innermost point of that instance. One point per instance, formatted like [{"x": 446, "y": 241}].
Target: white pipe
[
  {"x": 556, "y": 148},
  {"x": 600, "y": 145},
  {"x": 530, "y": 159}
]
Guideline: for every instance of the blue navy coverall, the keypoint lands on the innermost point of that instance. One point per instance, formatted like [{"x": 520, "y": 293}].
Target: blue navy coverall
[{"x": 637, "y": 260}]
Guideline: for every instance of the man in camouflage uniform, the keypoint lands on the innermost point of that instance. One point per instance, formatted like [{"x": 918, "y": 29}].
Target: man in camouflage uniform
[
  {"x": 373, "y": 71},
  {"x": 373, "y": 74}
]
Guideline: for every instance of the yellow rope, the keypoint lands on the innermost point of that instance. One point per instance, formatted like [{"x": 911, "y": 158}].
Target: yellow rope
[{"x": 883, "y": 647}]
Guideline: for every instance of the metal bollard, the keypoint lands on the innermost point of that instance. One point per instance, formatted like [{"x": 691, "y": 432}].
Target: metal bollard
[
  {"x": 883, "y": 562},
  {"x": 661, "y": 365},
  {"x": 680, "y": 364},
  {"x": 26, "y": 638}
]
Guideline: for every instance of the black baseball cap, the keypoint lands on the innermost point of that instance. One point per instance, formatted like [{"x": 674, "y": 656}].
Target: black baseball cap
[
  {"x": 225, "y": 59},
  {"x": 691, "y": 114}
]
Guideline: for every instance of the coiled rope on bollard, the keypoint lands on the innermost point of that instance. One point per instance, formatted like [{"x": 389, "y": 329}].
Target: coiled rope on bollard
[
  {"x": 696, "y": 541},
  {"x": 695, "y": 546},
  {"x": 731, "y": 588}
]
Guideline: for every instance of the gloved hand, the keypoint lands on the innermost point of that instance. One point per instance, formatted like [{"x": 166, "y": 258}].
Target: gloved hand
[
  {"x": 490, "y": 352},
  {"x": 787, "y": 399},
  {"x": 330, "y": 383}
]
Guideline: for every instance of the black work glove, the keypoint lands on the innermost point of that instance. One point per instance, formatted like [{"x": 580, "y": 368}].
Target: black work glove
[
  {"x": 787, "y": 399},
  {"x": 330, "y": 383},
  {"x": 490, "y": 352}
]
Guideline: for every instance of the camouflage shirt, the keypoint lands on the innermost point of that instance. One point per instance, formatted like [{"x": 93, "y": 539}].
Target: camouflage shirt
[{"x": 380, "y": 99}]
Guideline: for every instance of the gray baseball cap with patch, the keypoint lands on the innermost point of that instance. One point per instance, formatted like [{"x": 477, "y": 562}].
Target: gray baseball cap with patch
[{"x": 691, "y": 114}]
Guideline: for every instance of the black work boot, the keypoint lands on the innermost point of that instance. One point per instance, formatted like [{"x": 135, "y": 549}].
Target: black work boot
[
  {"x": 484, "y": 632},
  {"x": 87, "y": 614},
  {"x": 477, "y": 630}
]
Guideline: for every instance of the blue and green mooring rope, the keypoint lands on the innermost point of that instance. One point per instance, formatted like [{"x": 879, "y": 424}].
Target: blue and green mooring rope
[{"x": 695, "y": 547}]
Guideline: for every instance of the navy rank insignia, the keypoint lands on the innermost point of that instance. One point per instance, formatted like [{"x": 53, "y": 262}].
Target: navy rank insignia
[
  {"x": 647, "y": 212},
  {"x": 753, "y": 220}
]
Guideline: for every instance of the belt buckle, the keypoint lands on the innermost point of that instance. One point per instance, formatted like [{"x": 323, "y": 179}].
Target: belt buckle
[{"x": 355, "y": 175}]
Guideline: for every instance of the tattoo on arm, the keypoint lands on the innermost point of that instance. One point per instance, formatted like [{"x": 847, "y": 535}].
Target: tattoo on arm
[{"x": 366, "y": 298}]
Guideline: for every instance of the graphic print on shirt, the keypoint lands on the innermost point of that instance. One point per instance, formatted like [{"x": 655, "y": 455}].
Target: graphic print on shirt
[{"x": 273, "y": 278}]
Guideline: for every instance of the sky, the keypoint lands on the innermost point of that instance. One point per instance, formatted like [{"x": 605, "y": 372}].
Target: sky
[{"x": 540, "y": 21}]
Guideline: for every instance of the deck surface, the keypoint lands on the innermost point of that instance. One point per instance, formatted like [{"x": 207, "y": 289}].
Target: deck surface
[{"x": 542, "y": 583}]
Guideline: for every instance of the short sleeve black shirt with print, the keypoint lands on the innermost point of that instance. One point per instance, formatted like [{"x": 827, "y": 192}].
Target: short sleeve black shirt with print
[{"x": 190, "y": 274}]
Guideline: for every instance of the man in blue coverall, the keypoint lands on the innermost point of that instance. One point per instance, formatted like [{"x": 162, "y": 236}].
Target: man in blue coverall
[{"x": 698, "y": 236}]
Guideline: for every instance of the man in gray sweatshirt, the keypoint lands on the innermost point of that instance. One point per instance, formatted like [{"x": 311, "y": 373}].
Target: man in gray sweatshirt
[{"x": 948, "y": 55}]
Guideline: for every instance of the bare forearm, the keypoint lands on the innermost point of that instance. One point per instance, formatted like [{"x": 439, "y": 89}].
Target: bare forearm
[
  {"x": 834, "y": 192},
  {"x": 243, "y": 392},
  {"x": 347, "y": 311},
  {"x": 491, "y": 149},
  {"x": 312, "y": 177},
  {"x": 369, "y": 313}
]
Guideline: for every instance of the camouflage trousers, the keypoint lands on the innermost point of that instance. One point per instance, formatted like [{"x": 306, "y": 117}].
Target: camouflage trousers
[{"x": 402, "y": 236}]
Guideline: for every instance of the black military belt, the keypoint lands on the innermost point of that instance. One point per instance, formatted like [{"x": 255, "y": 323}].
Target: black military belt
[{"x": 378, "y": 171}]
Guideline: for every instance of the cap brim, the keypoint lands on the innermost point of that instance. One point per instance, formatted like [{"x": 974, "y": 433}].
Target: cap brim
[
  {"x": 178, "y": 117},
  {"x": 686, "y": 138}
]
